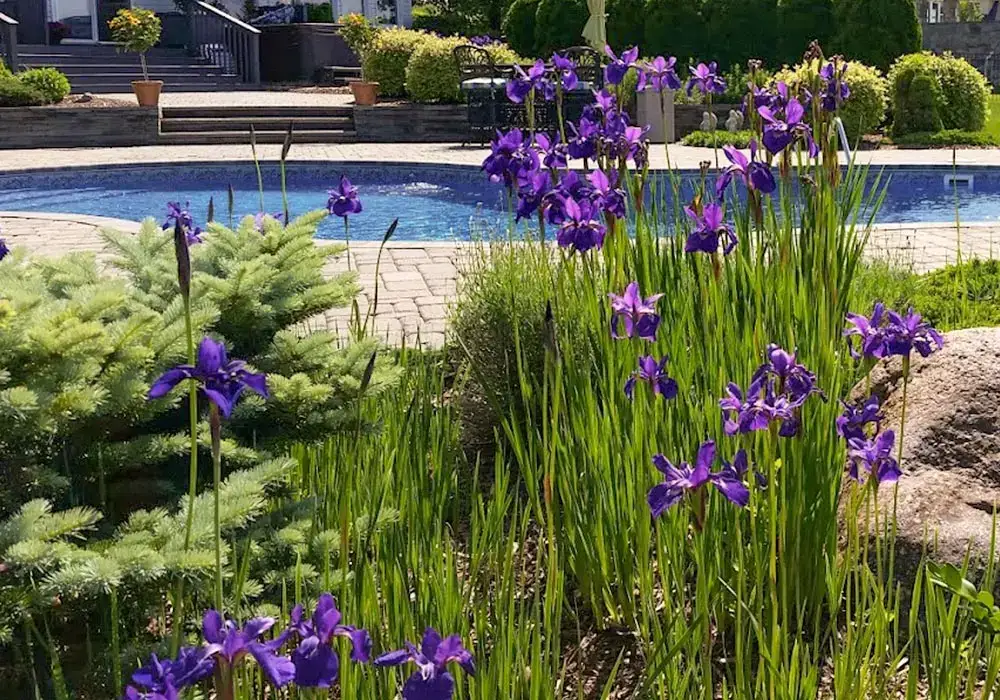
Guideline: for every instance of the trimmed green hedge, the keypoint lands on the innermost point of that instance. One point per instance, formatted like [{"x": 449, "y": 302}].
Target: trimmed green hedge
[
  {"x": 931, "y": 93},
  {"x": 947, "y": 137},
  {"x": 799, "y": 23},
  {"x": 675, "y": 28},
  {"x": 386, "y": 62},
  {"x": 559, "y": 25},
  {"x": 519, "y": 26},
  {"x": 740, "y": 139},
  {"x": 875, "y": 32},
  {"x": 430, "y": 18}
]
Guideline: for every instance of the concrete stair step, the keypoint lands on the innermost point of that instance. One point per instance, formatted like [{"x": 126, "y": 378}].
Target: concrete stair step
[
  {"x": 121, "y": 68},
  {"x": 243, "y": 137},
  {"x": 126, "y": 87},
  {"x": 265, "y": 124},
  {"x": 262, "y": 112}
]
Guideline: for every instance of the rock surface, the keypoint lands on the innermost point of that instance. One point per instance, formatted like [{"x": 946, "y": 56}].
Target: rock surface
[{"x": 951, "y": 446}]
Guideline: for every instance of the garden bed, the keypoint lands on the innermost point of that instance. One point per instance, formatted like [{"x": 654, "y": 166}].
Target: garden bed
[
  {"x": 401, "y": 122},
  {"x": 72, "y": 125}
]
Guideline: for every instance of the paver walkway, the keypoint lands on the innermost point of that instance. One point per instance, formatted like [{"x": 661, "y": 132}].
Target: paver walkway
[{"x": 418, "y": 280}]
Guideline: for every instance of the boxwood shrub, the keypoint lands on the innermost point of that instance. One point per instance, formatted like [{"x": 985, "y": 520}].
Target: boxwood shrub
[
  {"x": 930, "y": 93},
  {"x": 432, "y": 74},
  {"x": 48, "y": 81},
  {"x": 865, "y": 110},
  {"x": 14, "y": 93},
  {"x": 386, "y": 62},
  {"x": 559, "y": 25},
  {"x": 519, "y": 26}
]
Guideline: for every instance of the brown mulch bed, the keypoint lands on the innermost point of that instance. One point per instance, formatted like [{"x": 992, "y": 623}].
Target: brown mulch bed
[{"x": 95, "y": 102}]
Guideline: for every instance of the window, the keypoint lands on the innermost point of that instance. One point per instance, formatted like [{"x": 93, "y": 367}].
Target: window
[{"x": 934, "y": 12}]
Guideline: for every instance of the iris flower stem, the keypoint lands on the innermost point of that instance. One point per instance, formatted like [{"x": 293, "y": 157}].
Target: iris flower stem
[
  {"x": 902, "y": 411},
  {"x": 178, "y": 612},
  {"x": 663, "y": 116},
  {"x": 347, "y": 240},
  {"x": 215, "y": 422}
]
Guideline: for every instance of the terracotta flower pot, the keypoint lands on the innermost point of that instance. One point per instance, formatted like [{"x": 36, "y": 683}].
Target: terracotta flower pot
[
  {"x": 364, "y": 93},
  {"x": 147, "y": 92}
]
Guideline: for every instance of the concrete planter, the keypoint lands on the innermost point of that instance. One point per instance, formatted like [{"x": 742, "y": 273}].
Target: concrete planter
[
  {"x": 649, "y": 110},
  {"x": 78, "y": 127},
  {"x": 404, "y": 122}
]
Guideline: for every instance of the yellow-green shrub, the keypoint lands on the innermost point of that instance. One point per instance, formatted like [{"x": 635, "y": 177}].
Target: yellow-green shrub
[
  {"x": 864, "y": 110},
  {"x": 385, "y": 62},
  {"x": 932, "y": 92},
  {"x": 432, "y": 74}
]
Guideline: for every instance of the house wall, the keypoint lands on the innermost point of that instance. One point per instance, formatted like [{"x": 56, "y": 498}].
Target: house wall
[{"x": 30, "y": 15}]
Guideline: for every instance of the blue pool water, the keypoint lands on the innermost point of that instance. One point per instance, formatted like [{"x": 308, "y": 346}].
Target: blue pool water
[{"x": 432, "y": 202}]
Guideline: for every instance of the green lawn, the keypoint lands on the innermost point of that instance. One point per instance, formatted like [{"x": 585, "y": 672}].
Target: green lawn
[{"x": 993, "y": 123}]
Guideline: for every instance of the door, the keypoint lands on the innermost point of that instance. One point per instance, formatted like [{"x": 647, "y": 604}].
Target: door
[{"x": 80, "y": 18}]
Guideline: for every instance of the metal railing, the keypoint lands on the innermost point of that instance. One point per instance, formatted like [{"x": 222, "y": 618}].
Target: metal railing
[
  {"x": 8, "y": 42},
  {"x": 226, "y": 42}
]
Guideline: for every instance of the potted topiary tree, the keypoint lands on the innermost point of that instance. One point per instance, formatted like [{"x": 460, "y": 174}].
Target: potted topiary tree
[
  {"x": 359, "y": 34},
  {"x": 138, "y": 30}
]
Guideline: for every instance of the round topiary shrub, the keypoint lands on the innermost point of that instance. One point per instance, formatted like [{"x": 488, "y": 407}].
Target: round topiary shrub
[
  {"x": 519, "y": 26},
  {"x": 877, "y": 31},
  {"x": 559, "y": 25},
  {"x": 48, "y": 81},
  {"x": 386, "y": 60},
  {"x": 966, "y": 94},
  {"x": 432, "y": 74},
  {"x": 674, "y": 28},
  {"x": 626, "y": 23},
  {"x": 864, "y": 110},
  {"x": 14, "y": 93}
]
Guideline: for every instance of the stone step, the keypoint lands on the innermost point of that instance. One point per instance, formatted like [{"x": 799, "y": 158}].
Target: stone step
[
  {"x": 125, "y": 86},
  {"x": 243, "y": 137},
  {"x": 260, "y": 124},
  {"x": 133, "y": 68},
  {"x": 261, "y": 112},
  {"x": 88, "y": 50},
  {"x": 125, "y": 59}
]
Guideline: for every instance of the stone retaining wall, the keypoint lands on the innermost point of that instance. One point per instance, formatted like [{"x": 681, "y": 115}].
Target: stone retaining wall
[
  {"x": 76, "y": 127},
  {"x": 687, "y": 118},
  {"x": 963, "y": 38},
  {"x": 407, "y": 122}
]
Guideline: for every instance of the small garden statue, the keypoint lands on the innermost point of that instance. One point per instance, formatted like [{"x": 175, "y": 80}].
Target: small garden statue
[
  {"x": 709, "y": 121},
  {"x": 138, "y": 31},
  {"x": 735, "y": 121}
]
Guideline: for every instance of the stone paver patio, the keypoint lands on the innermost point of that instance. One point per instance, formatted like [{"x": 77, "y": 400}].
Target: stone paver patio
[{"x": 417, "y": 280}]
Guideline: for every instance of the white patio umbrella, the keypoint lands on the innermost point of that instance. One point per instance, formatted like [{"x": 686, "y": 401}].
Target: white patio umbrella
[{"x": 595, "y": 31}]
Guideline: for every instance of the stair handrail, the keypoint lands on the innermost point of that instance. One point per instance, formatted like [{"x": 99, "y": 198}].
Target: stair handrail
[
  {"x": 226, "y": 41},
  {"x": 8, "y": 41}
]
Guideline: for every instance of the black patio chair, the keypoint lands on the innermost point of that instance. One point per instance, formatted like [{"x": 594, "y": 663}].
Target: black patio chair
[{"x": 480, "y": 82}]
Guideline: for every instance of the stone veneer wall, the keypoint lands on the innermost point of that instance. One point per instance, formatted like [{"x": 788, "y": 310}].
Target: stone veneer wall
[
  {"x": 972, "y": 38},
  {"x": 403, "y": 122},
  {"x": 69, "y": 127}
]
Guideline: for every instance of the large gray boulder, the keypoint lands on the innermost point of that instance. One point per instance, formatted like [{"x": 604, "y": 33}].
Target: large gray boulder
[{"x": 951, "y": 446}]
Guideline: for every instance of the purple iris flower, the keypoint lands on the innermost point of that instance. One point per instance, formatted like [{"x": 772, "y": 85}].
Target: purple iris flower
[
  {"x": 795, "y": 380},
  {"x": 431, "y": 680},
  {"x": 531, "y": 192},
  {"x": 614, "y": 72},
  {"x": 685, "y": 478},
  {"x": 746, "y": 414},
  {"x": 852, "y": 422},
  {"x": 4, "y": 250},
  {"x": 784, "y": 127},
  {"x": 635, "y": 315},
  {"x": 169, "y": 692},
  {"x": 344, "y": 200},
  {"x": 511, "y": 157},
  {"x": 583, "y": 143},
  {"x": 655, "y": 373},
  {"x": 565, "y": 70},
  {"x": 835, "y": 88},
  {"x": 875, "y": 456},
  {"x": 581, "y": 230},
  {"x": 571, "y": 186},
  {"x": 870, "y": 330},
  {"x": 316, "y": 663},
  {"x": 484, "y": 40},
  {"x": 762, "y": 97},
  {"x": 231, "y": 643},
  {"x": 659, "y": 74},
  {"x": 191, "y": 666},
  {"x": 610, "y": 198},
  {"x": 710, "y": 227},
  {"x": 707, "y": 79},
  {"x": 555, "y": 152},
  {"x": 754, "y": 174},
  {"x": 258, "y": 219},
  {"x": 903, "y": 334},
  {"x": 604, "y": 102},
  {"x": 178, "y": 215},
  {"x": 222, "y": 381},
  {"x": 535, "y": 79}
]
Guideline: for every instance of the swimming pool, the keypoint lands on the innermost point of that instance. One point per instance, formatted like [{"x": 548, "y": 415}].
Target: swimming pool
[{"x": 433, "y": 202}]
